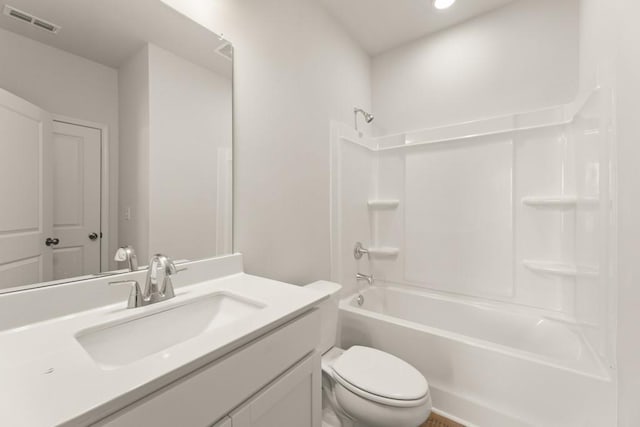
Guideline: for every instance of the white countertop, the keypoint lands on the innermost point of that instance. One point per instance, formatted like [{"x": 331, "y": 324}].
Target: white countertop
[{"x": 47, "y": 378}]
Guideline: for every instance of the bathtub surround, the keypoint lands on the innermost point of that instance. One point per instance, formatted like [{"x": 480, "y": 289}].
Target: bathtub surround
[
  {"x": 531, "y": 199},
  {"x": 527, "y": 227}
]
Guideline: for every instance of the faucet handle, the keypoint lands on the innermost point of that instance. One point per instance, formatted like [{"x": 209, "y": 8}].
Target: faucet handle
[
  {"x": 160, "y": 262},
  {"x": 359, "y": 250},
  {"x": 168, "y": 264},
  {"x": 136, "y": 298}
]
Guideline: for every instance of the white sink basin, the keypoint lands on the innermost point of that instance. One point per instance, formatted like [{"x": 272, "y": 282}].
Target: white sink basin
[{"x": 123, "y": 342}]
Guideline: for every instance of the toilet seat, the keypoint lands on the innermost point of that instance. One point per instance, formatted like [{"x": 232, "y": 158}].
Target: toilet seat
[
  {"x": 380, "y": 399},
  {"x": 380, "y": 377}
]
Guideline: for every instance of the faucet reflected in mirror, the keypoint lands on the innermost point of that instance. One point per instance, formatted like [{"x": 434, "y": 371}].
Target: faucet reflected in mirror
[
  {"x": 127, "y": 254},
  {"x": 158, "y": 285}
]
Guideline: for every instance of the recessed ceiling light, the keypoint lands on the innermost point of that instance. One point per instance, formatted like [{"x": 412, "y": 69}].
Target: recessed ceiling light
[{"x": 443, "y": 4}]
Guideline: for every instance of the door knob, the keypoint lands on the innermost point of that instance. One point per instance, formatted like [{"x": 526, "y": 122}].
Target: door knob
[
  {"x": 51, "y": 242},
  {"x": 93, "y": 236}
]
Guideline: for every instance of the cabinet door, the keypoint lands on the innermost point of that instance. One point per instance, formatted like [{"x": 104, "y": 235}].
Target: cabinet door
[{"x": 290, "y": 401}]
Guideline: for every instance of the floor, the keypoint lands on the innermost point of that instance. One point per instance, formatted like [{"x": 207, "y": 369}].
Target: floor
[{"x": 436, "y": 420}]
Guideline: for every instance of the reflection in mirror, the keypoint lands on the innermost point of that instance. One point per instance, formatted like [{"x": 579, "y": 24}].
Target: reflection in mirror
[{"x": 115, "y": 130}]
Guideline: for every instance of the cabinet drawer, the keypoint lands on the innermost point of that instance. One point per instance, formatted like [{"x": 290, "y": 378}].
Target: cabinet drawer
[{"x": 209, "y": 393}]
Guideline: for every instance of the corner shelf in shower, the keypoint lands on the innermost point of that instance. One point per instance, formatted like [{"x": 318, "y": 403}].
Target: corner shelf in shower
[
  {"x": 559, "y": 268},
  {"x": 558, "y": 201},
  {"x": 384, "y": 252},
  {"x": 383, "y": 204}
]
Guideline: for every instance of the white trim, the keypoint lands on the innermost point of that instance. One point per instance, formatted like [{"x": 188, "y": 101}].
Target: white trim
[
  {"x": 104, "y": 182},
  {"x": 224, "y": 200}
]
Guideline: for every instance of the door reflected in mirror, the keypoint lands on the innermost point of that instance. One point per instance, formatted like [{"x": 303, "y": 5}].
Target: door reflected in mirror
[{"x": 115, "y": 130}]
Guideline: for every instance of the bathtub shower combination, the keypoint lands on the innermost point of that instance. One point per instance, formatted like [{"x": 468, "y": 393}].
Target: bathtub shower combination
[
  {"x": 485, "y": 365},
  {"x": 489, "y": 246}
]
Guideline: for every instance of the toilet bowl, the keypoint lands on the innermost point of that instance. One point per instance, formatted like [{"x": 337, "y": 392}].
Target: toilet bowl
[{"x": 363, "y": 386}]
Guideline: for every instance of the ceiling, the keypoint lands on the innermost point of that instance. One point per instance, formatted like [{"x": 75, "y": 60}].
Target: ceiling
[
  {"x": 110, "y": 31},
  {"x": 379, "y": 25}
]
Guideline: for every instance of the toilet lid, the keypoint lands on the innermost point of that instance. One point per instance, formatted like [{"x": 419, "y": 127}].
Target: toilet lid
[{"x": 381, "y": 373}]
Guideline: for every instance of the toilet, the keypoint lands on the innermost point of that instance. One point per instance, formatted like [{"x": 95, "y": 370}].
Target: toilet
[{"x": 363, "y": 386}]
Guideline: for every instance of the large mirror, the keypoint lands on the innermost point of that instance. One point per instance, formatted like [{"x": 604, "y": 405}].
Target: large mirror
[{"x": 115, "y": 129}]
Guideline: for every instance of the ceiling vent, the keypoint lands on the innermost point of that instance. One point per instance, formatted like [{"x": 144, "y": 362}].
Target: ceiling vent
[
  {"x": 27, "y": 18},
  {"x": 225, "y": 50}
]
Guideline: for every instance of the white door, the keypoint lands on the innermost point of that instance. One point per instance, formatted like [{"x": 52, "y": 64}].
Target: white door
[
  {"x": 76, "y": 200},
  {"x": 26, "y": 202}
]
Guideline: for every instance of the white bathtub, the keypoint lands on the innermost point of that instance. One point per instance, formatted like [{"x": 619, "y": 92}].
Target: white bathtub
[{"x": 486, "y": 365}]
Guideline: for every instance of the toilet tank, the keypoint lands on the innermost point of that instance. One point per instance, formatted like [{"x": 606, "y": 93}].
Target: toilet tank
[{"x": 328, "y": 313}]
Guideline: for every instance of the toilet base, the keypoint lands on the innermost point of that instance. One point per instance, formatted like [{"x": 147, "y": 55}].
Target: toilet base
[{"x": 332, "y": 414}]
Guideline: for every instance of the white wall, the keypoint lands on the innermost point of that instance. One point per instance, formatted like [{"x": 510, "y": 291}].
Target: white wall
[
  {"x": 190, "y": 118},
  {"x": 628, "y": 132},
  {"x": 295, "y": 70},
  {"x": 133, "y": 79},
  {"x": 65, "y": 84},
  {"x": 520, "y": 57},
  {"x": 174, "y": 117}
]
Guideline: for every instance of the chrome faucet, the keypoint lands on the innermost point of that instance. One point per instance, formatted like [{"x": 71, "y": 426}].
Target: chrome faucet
[
  {"x": 366, "y": 277},
  {"x": 158, "y": 285},
  {"x": 126, "y": 253},
  {"x": 157, "y": 291}
]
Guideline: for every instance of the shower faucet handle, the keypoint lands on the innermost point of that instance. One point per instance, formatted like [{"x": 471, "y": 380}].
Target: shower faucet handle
[{"x": 359, "y": 250}]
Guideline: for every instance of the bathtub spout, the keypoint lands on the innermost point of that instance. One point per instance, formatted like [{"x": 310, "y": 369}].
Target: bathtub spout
[{"x": 368, "y": 278}]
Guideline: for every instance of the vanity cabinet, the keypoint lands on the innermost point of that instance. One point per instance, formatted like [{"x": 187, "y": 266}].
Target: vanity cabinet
[{"x": 274, "y": 380}]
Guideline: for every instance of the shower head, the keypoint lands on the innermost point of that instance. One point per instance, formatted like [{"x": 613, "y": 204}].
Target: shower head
[{"x": 368, "y": 117}]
